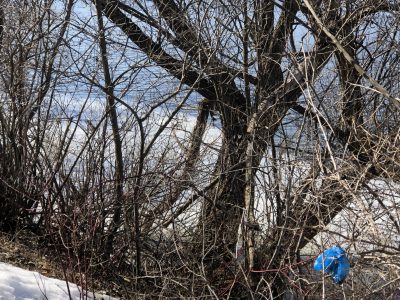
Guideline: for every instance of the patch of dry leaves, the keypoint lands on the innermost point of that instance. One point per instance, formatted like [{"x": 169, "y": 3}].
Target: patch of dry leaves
[{"x": 22, "y": 250}]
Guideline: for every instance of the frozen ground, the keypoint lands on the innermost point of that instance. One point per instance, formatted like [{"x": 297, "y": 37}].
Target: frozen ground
[{"x": 20, "y": 284}]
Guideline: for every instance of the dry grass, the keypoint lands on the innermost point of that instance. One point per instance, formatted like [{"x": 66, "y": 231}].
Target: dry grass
[{"x": 22, "y": 250}]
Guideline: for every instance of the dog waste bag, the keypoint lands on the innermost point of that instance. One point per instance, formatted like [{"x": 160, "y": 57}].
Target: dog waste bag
[{"x": 334, "y": 262}]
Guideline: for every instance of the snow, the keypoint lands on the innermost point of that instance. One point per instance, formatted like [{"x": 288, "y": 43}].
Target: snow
[{"x": 20, "y": 284}]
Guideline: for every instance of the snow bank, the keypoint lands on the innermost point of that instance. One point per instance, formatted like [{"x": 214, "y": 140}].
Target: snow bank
[{"x": 20, "y": 284}]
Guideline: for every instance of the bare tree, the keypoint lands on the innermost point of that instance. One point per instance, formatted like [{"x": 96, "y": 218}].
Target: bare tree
[
  {"x": 252, "y": 63},
  {"x": 29, "y": 55},
  {"x": 204, "y": 148}
]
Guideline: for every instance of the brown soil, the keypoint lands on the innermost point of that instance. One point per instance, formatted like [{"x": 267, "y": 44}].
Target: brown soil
[{"x": 22, "y": 250}]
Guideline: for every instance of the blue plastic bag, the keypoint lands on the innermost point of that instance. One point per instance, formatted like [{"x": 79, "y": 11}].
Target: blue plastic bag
[{"x": 335, "y": 262}]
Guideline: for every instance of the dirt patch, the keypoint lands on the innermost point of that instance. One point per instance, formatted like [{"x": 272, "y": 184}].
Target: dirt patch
[
  {"x": 22, "y": 250},
  {"x": 25, "y": 250}
]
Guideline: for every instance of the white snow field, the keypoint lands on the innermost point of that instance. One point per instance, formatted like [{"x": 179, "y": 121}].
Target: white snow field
[{"x": 20, "y": 284}]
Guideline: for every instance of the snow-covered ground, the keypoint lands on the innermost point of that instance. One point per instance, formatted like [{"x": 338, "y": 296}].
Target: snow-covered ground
[{"x": 20, "y": 284}]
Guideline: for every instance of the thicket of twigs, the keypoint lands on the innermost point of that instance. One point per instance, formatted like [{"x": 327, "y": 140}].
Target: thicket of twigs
[{"x": 204, "y": 149}]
